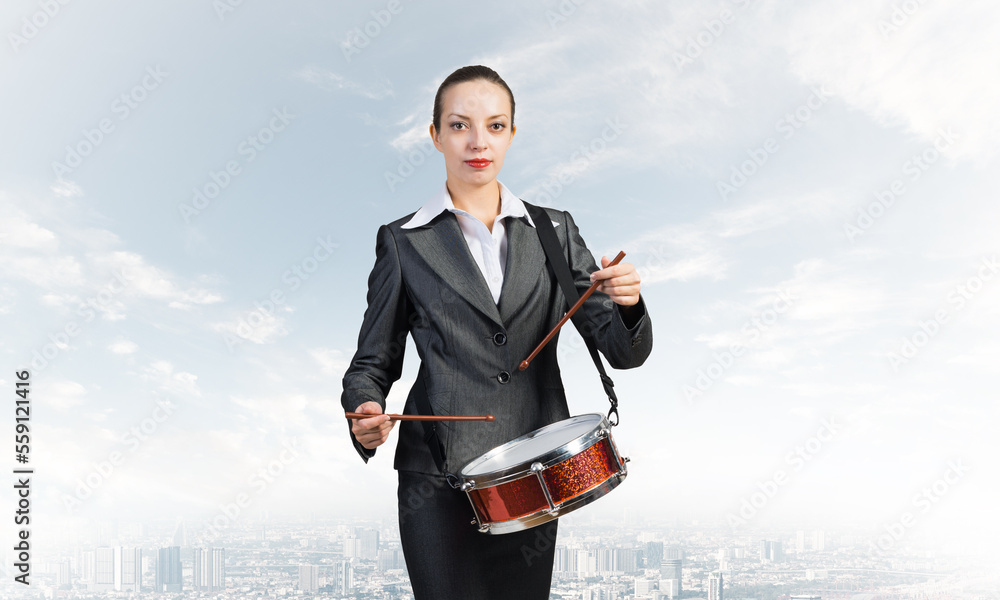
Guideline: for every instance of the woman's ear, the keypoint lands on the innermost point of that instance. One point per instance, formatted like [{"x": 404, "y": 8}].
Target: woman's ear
[{"x": 434, "y": 137}]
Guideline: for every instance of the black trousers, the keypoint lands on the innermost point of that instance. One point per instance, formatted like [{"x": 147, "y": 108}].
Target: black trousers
[{"x": 448, "y": 558}]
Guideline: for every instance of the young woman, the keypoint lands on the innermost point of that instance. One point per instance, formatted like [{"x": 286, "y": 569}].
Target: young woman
[{"x": 466, "y": 276}]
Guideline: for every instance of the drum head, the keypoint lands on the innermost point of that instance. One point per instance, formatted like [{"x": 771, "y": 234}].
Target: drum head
[{"x": 528, "y": 447}]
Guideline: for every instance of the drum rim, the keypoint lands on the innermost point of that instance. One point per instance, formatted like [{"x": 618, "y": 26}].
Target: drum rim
[{"x": 549, "y": 458}]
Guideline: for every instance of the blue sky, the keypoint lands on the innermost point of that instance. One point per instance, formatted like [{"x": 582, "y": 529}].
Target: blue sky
[{"x": 806, "y": 191}]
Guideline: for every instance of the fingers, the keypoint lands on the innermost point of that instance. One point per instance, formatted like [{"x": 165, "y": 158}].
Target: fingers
[
  {"x": 620, "y": 274},
  {"x": 374, "y": 431},
  {"x": 620, "y": 282}
]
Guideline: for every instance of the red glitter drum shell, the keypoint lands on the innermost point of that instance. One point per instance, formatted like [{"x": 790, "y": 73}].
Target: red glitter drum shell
[{"x": 565, "y": 481}]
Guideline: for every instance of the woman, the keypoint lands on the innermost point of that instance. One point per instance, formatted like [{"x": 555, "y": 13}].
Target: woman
[{"x": 466, "y": 276}]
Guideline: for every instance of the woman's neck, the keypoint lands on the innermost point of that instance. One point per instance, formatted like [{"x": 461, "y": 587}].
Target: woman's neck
[{"x": 482, "y": 202}]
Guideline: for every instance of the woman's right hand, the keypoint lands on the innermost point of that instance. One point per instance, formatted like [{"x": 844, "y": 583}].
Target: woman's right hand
[{"x": 372, "y": 432}]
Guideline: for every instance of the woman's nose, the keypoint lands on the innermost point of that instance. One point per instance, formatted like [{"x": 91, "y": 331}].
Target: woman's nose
[{"x": 478, "y": 139}]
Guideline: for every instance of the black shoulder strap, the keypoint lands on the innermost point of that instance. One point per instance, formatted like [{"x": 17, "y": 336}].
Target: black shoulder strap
[{"x": 560, "y": 268}]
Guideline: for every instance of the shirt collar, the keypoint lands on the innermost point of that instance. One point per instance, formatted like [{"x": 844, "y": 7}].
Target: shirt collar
[{"x": 510, "y": 206}]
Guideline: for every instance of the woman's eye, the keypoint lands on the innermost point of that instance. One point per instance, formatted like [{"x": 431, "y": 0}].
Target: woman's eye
[
  {"x": 497, "y": 126},
  {"x": 458, "y": 124}
]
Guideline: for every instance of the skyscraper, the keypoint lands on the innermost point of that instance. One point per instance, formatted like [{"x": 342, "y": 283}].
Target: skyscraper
[
  {"x": 169, "y": 571},
  {"x": 345, "y": 577},
  {"x": 308, "y": 578},
  {"x": 104, "y": 570},
  {"x": 127, "y": 569},
  {"x": 367, "y": 543},
  {"x": 209, "y": 569},
  {"x": 770, "y": 551},
  {"x": 654, "y": 554},
  {"x": 671, "y": 569},
  {"x": 715, "y": 587}
]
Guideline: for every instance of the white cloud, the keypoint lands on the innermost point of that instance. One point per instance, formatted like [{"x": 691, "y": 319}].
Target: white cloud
[
  {"x": 66, "y": 188},
  {"x": 935, "y": 69},
  {"x": 327, "y": 80},
  {"x": 254, "y": 326},
  {"x": 63, "y": 395},
  {"x": 123, "y": 346},
  {"x": 331, "y": 360}
]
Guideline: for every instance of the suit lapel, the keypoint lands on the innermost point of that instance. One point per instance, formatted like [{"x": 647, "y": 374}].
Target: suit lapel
[
  {"x": 443, "y": 247},
  {"x": 525, "y": 264}
]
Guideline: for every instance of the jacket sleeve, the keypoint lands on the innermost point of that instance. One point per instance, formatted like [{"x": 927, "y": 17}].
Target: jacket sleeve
[
  {"x": 625, "y": 339},
  {"x": 378, "y": 361}
]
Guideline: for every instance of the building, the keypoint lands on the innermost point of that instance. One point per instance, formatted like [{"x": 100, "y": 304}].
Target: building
[
  {"x": 654, "y": 554},
  {"x": 308, "y": 578},
  {"x": 770, "y": 551},
  {"x": 670, "y": 568},
  {"x": 671, "y": 588},
  {"x": 209, "y": 569},
  {"x": 715, "y": 587},
  {"x": 644, "y": 587},
  {"x": 63, "y": 580},
  {"x": 169, "y": 571},
  {"x": 345, "y": 577},
  {"x": 367, "y": 544},
  {"x": 127, "y": 569}
]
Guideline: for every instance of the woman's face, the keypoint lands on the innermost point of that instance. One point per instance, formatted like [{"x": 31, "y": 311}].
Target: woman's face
[{"x": 475, "y": 131}]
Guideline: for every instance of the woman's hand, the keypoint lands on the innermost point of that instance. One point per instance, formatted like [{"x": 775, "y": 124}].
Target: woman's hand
[
  {"x": 620, "y": 282},
  {"x": 372, "y": 432}
]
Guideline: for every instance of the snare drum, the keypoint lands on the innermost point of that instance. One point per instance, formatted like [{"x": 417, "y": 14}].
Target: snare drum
[{"x": 543, "y": 474}]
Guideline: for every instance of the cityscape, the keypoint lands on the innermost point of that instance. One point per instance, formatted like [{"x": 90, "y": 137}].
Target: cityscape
[{"x": 594, "y": 560}]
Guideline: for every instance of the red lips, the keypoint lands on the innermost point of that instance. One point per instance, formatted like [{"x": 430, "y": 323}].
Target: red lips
[{"x": 478, "y": 163}]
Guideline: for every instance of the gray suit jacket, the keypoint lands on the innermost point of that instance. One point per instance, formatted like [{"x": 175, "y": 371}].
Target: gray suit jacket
[{"x": 426, "y": 283}]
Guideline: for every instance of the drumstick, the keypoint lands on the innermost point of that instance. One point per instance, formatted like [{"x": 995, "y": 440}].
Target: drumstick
[
  {"x": 392, "y": 417},
  {"x": 573, "y": 309}
]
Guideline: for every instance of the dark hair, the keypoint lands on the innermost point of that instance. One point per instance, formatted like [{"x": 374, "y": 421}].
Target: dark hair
[{"x": 470, "y": 73}]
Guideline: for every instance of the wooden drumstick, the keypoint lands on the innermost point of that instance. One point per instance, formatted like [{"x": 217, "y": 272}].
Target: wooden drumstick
[
  {"x": 392, "y": 417},
  {"x": 566, "y": 317}
]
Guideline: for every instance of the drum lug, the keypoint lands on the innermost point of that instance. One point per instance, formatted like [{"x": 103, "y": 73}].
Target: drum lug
[
  {"x": 537, "y": 468},
  {"x": 603, "y": 433},
  {"x": 468, "y": 486}
]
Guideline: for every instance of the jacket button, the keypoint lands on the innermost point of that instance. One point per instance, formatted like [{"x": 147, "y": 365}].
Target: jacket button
[
  {"x": 503, "y": 376},
  {"x": 499, "y": 338}
]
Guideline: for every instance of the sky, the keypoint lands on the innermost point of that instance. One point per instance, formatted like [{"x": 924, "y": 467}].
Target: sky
[{"x": 190, "y": 192}]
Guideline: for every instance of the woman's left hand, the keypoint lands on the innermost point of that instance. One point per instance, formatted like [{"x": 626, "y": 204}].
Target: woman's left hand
[{"x": 620, "y": 282}]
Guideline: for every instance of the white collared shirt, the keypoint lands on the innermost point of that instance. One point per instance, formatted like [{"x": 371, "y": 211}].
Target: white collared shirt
[{"x": 489, "y": 249}]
